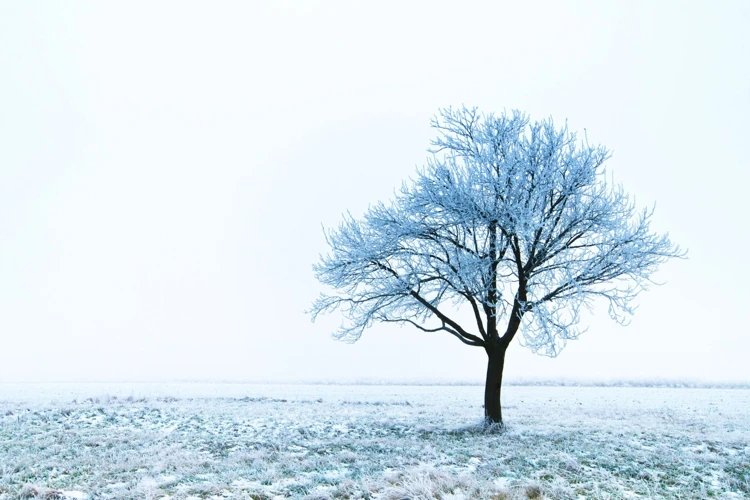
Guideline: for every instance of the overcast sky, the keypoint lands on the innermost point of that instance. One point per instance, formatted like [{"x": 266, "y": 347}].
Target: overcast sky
[{"x": 165, "y": 169}]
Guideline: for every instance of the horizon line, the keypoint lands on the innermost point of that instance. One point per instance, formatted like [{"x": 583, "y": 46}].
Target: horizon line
[{"x": 371, "y": 381}]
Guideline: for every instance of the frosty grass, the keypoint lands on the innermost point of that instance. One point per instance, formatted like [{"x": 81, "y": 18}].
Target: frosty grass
[{"x": 390, "y": 442}]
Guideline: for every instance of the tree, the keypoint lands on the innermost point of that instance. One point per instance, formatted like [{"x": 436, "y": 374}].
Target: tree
[{"x": 511, "y": 219}]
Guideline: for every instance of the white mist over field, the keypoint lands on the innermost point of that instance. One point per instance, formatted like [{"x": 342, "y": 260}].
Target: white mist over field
[{"x": 165, "y": 169}]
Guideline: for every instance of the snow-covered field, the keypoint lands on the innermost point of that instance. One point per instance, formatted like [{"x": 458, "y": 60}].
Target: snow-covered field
[{"x": 390, "y": 442}]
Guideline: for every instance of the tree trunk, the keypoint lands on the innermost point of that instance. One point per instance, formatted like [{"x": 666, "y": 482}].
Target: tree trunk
[{"x": 496, "y": 360}]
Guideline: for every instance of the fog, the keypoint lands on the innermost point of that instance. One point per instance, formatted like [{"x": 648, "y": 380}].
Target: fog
[{"x": 166, "y": 170}]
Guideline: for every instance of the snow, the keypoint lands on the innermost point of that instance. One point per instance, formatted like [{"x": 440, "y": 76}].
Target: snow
[
  {"x": 297, "y": 441},
  {"x": 74, "y": 494}
]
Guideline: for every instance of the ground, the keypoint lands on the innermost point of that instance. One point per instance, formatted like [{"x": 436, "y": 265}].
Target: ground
[{"x": 389, "y": 442}]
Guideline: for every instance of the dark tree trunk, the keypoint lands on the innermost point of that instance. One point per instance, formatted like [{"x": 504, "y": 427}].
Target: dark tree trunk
[{"x": 496, "y": 360}]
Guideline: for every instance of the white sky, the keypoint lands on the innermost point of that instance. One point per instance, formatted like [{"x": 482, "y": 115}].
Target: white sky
[{"x": 165, "y": 169}]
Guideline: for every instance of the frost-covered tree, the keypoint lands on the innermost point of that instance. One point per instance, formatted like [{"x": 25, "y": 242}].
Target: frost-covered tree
[{"x": 514, "y": 221}]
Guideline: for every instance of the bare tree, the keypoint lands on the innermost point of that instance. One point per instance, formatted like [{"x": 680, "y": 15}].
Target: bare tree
[{"x": 511, "y": 219}]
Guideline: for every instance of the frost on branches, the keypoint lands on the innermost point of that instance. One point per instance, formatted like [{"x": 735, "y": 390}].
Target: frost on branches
[{"x": 511, "y": 219}]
